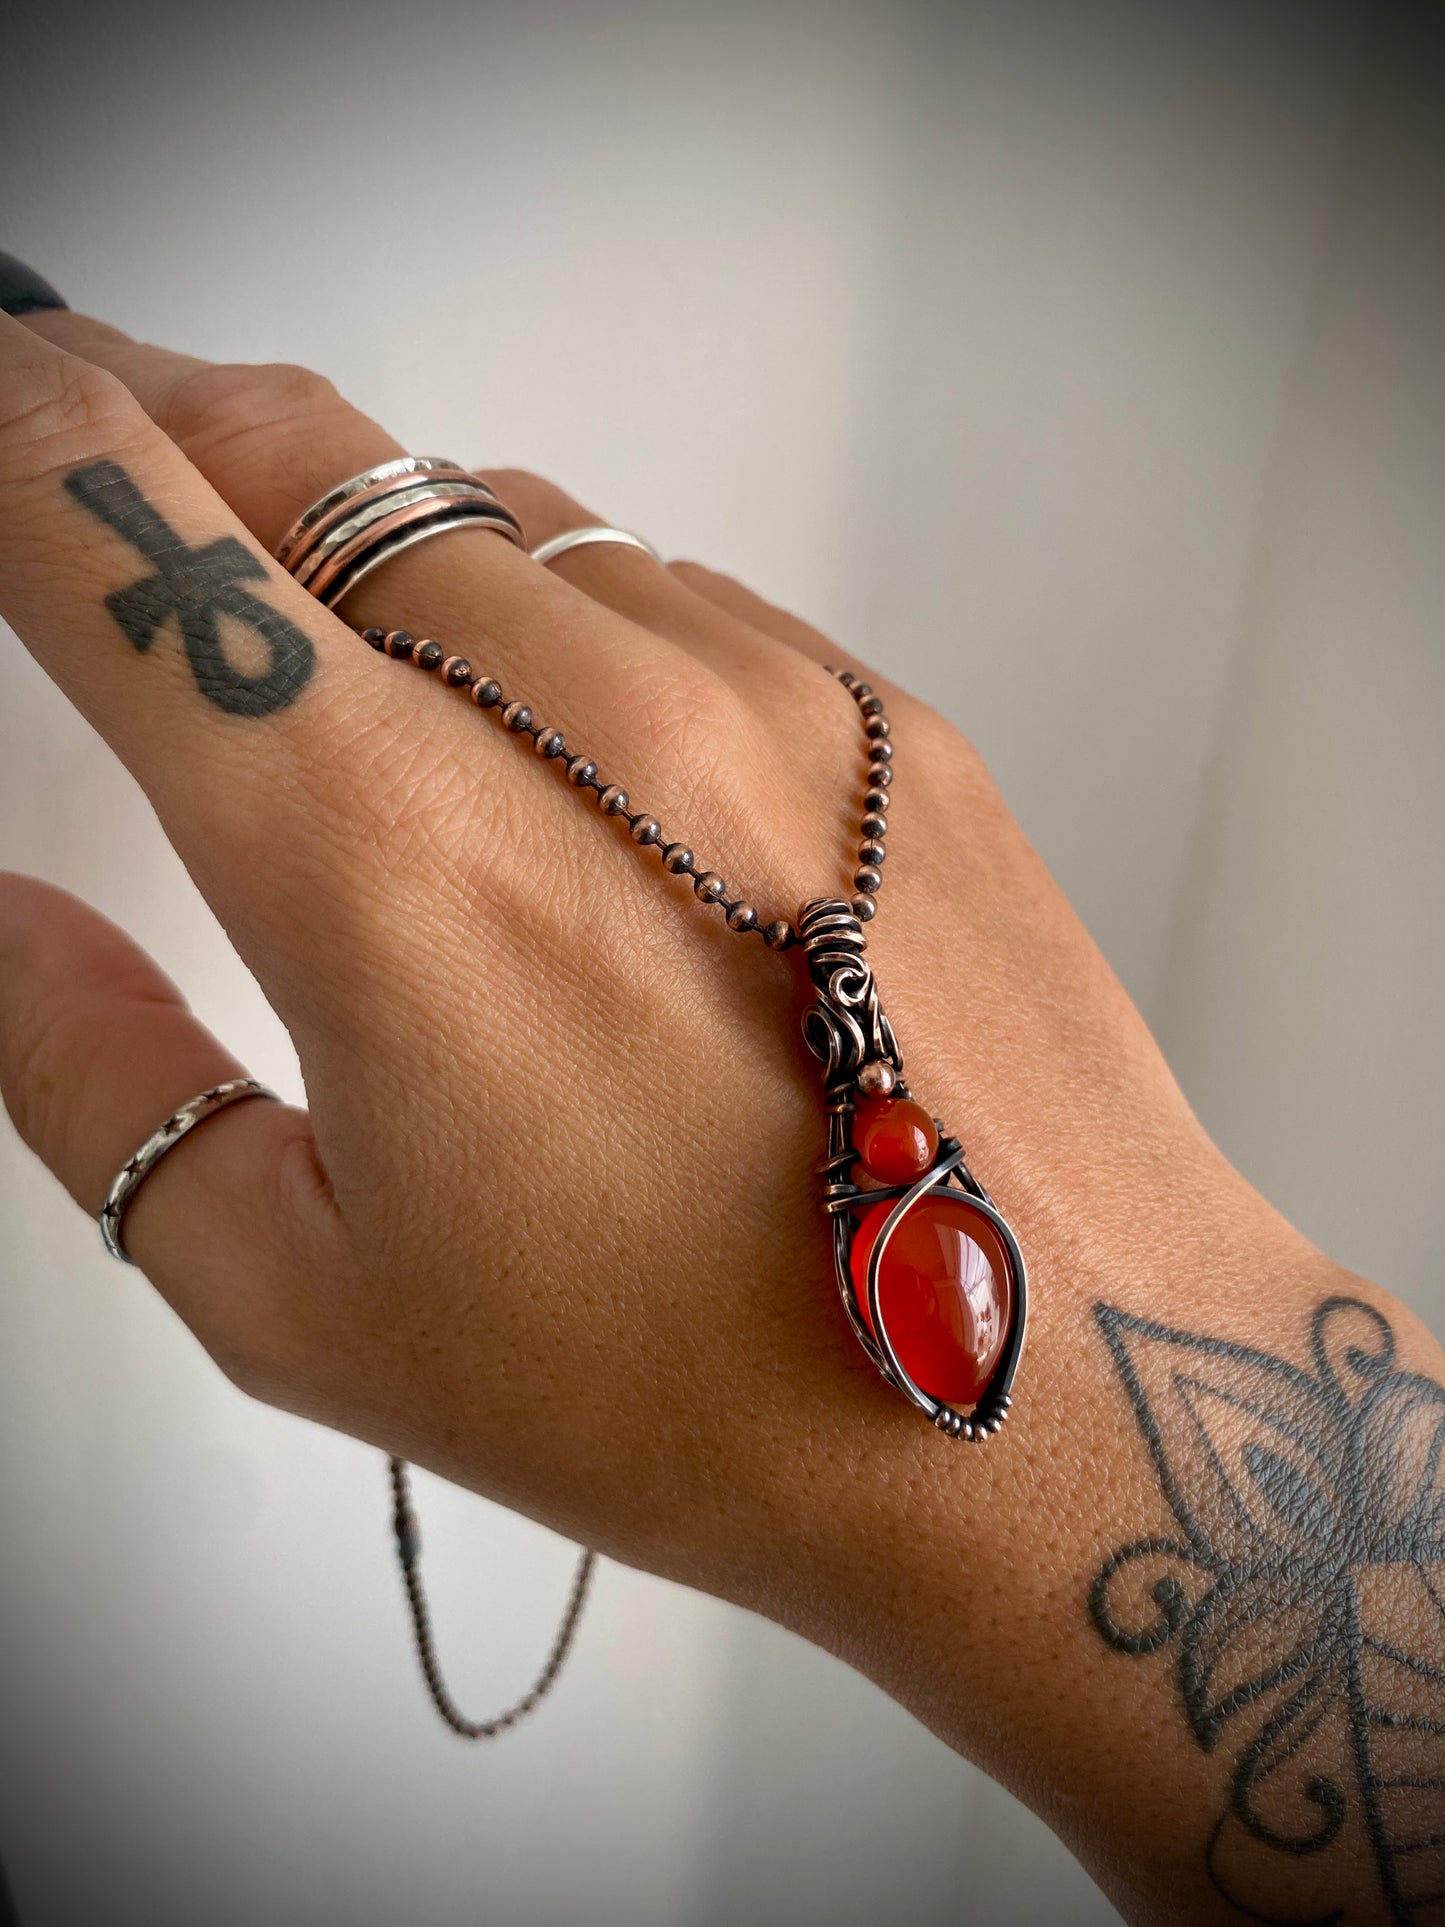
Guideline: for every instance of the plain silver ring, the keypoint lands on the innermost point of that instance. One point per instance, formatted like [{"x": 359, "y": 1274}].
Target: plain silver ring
[
  {"x": 580, "y": 538},
  {"x": 138, "y": 1167}
]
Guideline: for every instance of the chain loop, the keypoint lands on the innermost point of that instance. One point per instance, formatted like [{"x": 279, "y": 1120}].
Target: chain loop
[
  {"x": 710, "y": 888},
  {"x": 408, "y": 1550}
]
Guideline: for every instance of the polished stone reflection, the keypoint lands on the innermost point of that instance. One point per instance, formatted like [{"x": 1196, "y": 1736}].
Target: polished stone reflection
[{"x": 945, "y": 1291}]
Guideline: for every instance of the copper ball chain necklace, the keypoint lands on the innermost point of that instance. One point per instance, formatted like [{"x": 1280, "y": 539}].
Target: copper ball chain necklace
[{"x": 931, "y": 1276}]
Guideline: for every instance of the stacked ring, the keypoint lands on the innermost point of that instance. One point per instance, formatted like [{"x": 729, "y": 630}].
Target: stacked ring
[{"x": 356, "y": 526}]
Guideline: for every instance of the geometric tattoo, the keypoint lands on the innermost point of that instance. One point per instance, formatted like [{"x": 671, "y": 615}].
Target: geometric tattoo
[
  {"x": 1303, "y": 1598},
  {"x": 196, "y": 587}
]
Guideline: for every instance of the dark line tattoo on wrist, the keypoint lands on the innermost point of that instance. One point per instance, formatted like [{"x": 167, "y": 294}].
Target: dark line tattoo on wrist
[
  {"x": 196, "y": 587},
  {"x": 1304, "y": 1598}
]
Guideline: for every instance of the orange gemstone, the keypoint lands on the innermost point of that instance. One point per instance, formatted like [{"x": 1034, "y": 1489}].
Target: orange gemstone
[
  {"x": 945, "y": 1290},
  {"x": 896, "y": 1138}
]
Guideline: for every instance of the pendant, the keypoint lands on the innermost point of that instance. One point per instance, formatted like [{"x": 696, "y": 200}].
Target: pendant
[{"x": 930, "y": 1275}]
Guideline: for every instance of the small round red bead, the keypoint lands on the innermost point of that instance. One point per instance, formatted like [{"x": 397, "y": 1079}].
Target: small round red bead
[{"x": 895, "y": 1138}]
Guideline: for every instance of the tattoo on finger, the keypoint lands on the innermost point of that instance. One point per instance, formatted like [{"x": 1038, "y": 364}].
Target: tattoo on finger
[{"x": 196, "y": 588}]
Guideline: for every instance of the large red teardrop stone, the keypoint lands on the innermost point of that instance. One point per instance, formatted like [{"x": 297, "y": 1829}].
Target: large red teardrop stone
[{"x": 945, "y": 1289}]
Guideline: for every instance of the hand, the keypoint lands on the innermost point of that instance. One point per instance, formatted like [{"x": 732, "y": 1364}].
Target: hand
[{"x": 551, "y": 1225}]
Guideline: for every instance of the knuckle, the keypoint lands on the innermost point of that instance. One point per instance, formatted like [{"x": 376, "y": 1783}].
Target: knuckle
[
  {"x": 262, "y": 1337},
  {"x": 32, "y": 1081},
  {"x": 49, "y": 1044},
  {"x": 535, "y": 498},
  {"x": 687, "y": 713},
  {"x": 57, "y": 411},
  {"x": 271, "y": 420},
  {"x": 261, "y": 1367},
  {"x": 931, "y": 735},
  {"x": 274, "y": 1341},
  {"x": 696, "y": 575},
  {"x": 228, "y": 399},
  {"x": 518, "y": 478},
  {"x": 703, "y": 738}
]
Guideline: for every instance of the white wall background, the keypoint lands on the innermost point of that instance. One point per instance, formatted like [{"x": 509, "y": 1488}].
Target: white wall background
[{"x": 1082, "y": 364}]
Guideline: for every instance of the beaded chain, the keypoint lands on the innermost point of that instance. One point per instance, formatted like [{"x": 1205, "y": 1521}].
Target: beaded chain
[
  {"x": 613, "y": 800},
  {"x": 710, "y": 888},
  {"x": 408, "y": 1552}
]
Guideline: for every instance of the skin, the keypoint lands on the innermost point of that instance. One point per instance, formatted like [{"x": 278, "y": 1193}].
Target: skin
[{"x": 551, "y": 1225}]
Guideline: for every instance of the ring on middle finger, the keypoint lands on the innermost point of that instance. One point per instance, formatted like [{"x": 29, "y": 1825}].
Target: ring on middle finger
[{"x": 360, "y": 523}]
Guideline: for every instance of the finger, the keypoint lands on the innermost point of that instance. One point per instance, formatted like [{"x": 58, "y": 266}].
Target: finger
[
  {"x": 234, "y": 1225},
  {"x": 225, "y": 689},
  {"x": 744, "y": 605},
  {"x": 271, "y": 440},
  {"x": 635, "y": 584},
  {"x": 674, "y": 729}
]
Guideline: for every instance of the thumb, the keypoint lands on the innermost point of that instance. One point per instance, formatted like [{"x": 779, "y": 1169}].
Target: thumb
[{"x": 236, "y": 1225}]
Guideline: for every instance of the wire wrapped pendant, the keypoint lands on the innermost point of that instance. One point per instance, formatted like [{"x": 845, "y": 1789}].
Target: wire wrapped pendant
[{"x": 930, "y": 1274}]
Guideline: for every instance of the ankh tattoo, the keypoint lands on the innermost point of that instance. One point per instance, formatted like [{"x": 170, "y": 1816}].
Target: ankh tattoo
[{"x": 196, "y": 587}]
